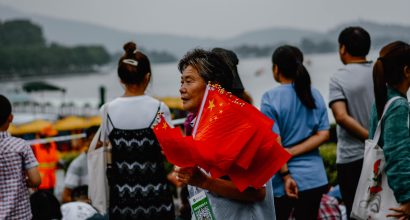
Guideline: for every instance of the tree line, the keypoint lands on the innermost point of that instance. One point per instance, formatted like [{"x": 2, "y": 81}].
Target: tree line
[
  {"x": 25, "y": 52},
  {"x": 307, "y": 45}
]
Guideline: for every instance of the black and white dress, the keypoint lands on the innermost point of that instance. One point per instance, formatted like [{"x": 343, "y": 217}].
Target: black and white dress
[{"x": 138, "y": 186}]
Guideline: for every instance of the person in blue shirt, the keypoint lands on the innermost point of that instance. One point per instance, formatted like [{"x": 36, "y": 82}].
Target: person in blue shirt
[{"x": 301, "y": 120}]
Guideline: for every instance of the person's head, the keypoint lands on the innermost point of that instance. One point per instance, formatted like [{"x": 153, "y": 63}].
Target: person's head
[
  {"x": 80, "y": 194},
  {"x": 230, "y": 58},
  {"x": 90, "y": 132},
  {"x": 354, "y": 42},
  {"x": 198, "y": 67},
  {"x": 392, "y": 68},
  {"x": 134, "y": 68},
  {"x": 288, "y": 65},
  {"x": 44, "y": 206},
  {"x": 5, "y": 113}
]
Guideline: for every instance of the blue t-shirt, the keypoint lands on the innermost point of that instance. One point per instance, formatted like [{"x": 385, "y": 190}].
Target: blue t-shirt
[{"x": 295, "y": 123}]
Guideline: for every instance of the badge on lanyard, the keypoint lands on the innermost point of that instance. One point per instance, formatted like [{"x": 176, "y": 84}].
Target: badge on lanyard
[{"x": 201, "y": 207}]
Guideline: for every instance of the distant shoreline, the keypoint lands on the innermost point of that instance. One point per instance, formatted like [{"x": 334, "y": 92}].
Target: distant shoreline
[{"x": 28, "y": 77}]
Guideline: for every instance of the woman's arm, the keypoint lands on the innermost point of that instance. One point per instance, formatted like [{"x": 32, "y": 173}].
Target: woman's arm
[
  {"x": 291, "y": 188},
  {"x": 309, "y": 144},
  {"x": 225, "y": 188},
  {"x": 396, "y": 149}
]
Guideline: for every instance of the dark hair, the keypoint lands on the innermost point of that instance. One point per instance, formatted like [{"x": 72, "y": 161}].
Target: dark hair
[
  {"x": 356, "y": 41},
  {"x": 79, "y": 192},
  {"x": 210, "y": 67},
  {"x": 5, "y": 109},
  {"x": 389, "y": 69},
  {"x": 230, "y": 58},
  {"x": 133, "y": 65},
  {"x": 44, "y": 205},
  {"x": 289, "y": 60},
  {"x": 91, "y": 131}
]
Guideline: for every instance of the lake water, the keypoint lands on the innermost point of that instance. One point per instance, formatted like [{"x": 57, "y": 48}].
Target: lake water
[{"x": 255, "y": 73}]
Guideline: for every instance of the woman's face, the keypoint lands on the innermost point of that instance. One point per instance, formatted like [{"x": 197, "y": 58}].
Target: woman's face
[
  {"x": 275, "y": 73},
  {"x": 192, "y": 89}
]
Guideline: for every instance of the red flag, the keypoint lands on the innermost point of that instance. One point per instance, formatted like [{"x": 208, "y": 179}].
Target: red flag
[
  {"x": 177, "y": 148},
  {"x": 222, "y": 127},
  {"x": 230, "y": 138},
  {"x": 240, "y": 137}
]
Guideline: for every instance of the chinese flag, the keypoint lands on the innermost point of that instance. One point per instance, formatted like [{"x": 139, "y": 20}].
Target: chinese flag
[
  {"x": 177, "y": 148},
  {"x": 230, "y": 137}
]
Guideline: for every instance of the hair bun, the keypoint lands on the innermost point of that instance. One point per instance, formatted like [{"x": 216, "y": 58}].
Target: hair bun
[{"x": 130, "y": 47}]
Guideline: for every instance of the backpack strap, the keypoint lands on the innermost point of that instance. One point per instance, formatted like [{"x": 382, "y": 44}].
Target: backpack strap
[
  {"x": 377, "y": 133},
  {"x": 109, "y": 119},
  {"x": 156, "y": 114}
]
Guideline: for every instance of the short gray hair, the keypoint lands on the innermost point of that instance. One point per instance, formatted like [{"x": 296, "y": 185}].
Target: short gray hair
[{"x": 210, "y": 67}]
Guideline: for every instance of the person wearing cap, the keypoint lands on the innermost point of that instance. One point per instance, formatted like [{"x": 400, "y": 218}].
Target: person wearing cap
[{"x": 47, "y": 156}]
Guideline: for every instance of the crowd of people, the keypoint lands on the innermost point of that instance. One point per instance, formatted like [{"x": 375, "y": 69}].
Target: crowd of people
[{"x": 139, "y": 185}]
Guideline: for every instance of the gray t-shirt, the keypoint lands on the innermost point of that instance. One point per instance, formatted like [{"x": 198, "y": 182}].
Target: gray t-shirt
[
  {"x": 77, "y": 173},
  {"x": 353, "y": 84}
]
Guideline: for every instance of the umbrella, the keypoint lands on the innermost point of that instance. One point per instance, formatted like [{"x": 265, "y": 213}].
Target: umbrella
[
  {"x": 172, "y": 102},
  {"x": 94, "y": 121},
  {"x": 41, "y": 86},
  {"x": 71, "y": 123},
  {"x": 33, "y": 127}
]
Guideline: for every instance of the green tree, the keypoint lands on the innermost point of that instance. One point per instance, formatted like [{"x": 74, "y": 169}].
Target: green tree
[{"x": 20, "y": 33}]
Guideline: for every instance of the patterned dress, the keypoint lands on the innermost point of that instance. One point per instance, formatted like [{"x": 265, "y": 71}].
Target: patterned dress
[{"x": 137, "y": 179}]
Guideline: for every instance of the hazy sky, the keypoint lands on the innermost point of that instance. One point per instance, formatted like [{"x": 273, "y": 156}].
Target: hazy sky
[{"x": 218, "y": 18}]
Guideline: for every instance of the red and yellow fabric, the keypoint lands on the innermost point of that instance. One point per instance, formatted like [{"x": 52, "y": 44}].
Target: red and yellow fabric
[
  {"x": 47, "y": 159},
  {"x": 230, "y": 137}
]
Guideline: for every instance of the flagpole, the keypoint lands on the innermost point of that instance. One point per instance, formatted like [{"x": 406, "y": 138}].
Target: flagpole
[{"x": 198, "y": 117}]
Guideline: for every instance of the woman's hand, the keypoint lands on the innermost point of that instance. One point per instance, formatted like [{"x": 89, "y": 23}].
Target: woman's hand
[
  {"x": 402, "y": 212},
  {"x": 192, "y": 176},
  {"x": 291, "y": 189},
  {"x": 172, "y": 178}
]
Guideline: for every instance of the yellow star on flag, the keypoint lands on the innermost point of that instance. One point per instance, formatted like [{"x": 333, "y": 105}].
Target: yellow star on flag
[
  {"x": 211, "y": 104},
  {"x": 164, "y": 126}
]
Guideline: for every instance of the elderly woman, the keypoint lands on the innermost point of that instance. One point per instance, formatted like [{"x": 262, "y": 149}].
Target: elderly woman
[{"x": 198, "y": 67}]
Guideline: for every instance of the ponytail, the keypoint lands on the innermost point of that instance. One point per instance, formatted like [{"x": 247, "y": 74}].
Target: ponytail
[
  {"x": 289, "y": 60},
  {"x": 380, "y": 87},
  {"x": 389, "y": 71},
  {"x": 302, "y": 86}
]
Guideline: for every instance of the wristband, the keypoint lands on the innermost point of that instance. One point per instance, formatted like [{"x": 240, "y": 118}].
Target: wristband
[{"x": 283, "y": 174}]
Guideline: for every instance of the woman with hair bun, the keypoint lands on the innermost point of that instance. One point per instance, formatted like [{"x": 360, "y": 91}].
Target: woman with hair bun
[
  {"x": 301, "y": 120},
  {"x": 138, "y": 187}
]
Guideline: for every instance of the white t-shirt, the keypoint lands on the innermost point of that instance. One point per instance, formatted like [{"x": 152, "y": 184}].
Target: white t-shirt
[
  {"x": 134, "y": 112},
  {"x": 77, "y": 211}
]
